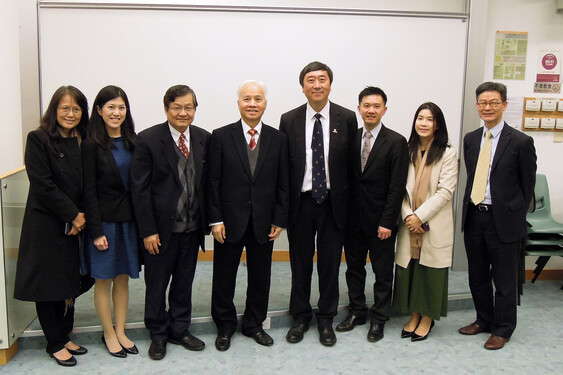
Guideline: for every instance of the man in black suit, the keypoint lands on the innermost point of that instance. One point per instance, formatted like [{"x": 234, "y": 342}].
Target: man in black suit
[
  {"x": 501, "y": 175},
  {"x": 248, "y": 203},
  {"x": 379, "y": 167},
  {"x": 319, "y": 137},
  {"x": 168, "y": 185}
]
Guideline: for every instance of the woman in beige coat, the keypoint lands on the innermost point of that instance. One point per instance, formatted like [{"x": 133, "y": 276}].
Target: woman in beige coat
[{"x": 425, "y": 238}]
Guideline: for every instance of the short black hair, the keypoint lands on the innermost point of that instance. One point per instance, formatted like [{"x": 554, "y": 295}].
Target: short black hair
[
  {"x": 491, "y": 86},
  {"x": 370, "y": 90},
  {"x": 314, "y": 66},
  {"x": 175, "y": 91}
]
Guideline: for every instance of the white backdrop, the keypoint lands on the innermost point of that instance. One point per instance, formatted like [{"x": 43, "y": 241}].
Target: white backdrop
[{"x": 145, "y": 51}]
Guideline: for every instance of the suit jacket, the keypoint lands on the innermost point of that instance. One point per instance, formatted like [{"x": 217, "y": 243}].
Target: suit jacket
[
  {"x": 343, "y": 124},
  {"x": 437, "y": 210},
  {"x": 104, "y": 195},
  {"x": 235, "y": 194},
  {"x": 378, "y": 191},
  {"x": 155, "y": 182},
  {"x": 512, "y": 179}
]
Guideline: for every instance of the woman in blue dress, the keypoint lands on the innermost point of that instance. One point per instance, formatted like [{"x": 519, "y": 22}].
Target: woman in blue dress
[{"x": 111, "y": 245}]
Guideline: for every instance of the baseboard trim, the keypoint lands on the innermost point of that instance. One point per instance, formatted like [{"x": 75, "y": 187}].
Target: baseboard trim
[
  {"x": 7, "y": 354},
  {"x": 545, "y": 275}
]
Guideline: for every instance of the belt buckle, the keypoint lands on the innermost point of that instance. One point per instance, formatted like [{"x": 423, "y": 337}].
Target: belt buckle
[{"x": 483, "y": 208}]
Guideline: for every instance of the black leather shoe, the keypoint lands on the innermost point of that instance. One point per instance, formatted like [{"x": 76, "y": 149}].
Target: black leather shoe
[
  {"x": 416, "y": 337},
  {"x": 222, "y": 343},
  {"x": 65, "y": 362},
  {"x": 261, "y": 337},
  {"x": 327, "y": 336},
  {"x": 295, "y": 333},
  {"x": 131, "y": 350},
  {"x": 80, "y": 351},
  {"x": 350, "y": 322},
  {"x": 406, "y": 334},
  {"x": 157, "y": 350},
  {"x": 119, "y": 354},
  {"x": 189, "y": 342},
  {"x": 375, "y": 332}
]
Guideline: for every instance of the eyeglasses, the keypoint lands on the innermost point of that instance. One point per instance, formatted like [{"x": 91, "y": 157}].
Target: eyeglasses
[
  {"x": 66, "y": 110},
  {"x": 178, "y": 109},
  {"x": 493, "y": 103}
]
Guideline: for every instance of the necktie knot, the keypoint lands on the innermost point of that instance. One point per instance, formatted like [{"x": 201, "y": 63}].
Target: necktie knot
[
  {"x": 368, "y": 135},
  {"x": 318, "y": 116},
  {"x": 252, "y": 132},
  {"x": 488, "y": 134}
]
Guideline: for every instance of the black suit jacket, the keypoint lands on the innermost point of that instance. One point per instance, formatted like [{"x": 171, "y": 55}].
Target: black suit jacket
[
  {"x": 343, "y": 124},
  {"x": 378, "y": 191},
  {"x": 235, "y": 194},
  {"x": 512, "y": 176},
  {"x": 105, "y": 198},
  {"x": 155, "y": 183}
]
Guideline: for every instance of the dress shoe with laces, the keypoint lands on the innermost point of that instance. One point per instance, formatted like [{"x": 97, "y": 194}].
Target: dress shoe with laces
[
  {"x": 261, "y": 337},
  {"x": 80, "y": 351},
  {"x": 375, "y": 332},
  {"x": 350, "y": 322},
  {"x": 222, "y": 342},
  {"x": 189, "y": 342},
  {"x": 119, "y": 354},
  {"x": 472, "y": 329},
  {"x": 295, "y": 333},
  {"x": 495, "y": 342},
  {"x": 131, "y": 350},
  {"x": 157, "y": 350},
  {"x": 415, "y": 337},
  {"x": 64, "y": 362},
  {"x": 327, "y": 337}
]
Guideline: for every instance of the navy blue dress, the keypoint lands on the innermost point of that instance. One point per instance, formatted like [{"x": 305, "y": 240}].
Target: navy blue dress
[{"x": 122, "y": 255}]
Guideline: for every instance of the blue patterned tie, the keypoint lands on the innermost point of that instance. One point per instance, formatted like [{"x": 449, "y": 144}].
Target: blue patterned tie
[{"x": 319, "y": 191}]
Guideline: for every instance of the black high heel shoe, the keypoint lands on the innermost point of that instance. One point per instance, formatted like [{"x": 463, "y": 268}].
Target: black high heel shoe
[
  {"x": 416, "y": 337},
  {"x": 406, "y": 334},
  {"x": 80, "y": 351},
  {"x": 131, "y": 350},
  {"x": 64, "y": 362},
  {"x": 119, "y": 354}
]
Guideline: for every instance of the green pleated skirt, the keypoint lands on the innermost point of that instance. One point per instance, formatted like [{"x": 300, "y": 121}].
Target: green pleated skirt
[{"x": 421, "y": 289}]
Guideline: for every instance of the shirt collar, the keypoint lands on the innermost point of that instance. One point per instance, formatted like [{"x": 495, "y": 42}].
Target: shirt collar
[
  {"x": 246, "y": 127},
  {"x": 176, "y": 134},
  {"x": 374, "y": 132},
  {"x": 495, "y": 130},
  {"x": 325, "y": 112}
]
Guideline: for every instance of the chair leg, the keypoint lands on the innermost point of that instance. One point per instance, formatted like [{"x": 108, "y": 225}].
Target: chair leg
[{"x": 541, "y": 262}]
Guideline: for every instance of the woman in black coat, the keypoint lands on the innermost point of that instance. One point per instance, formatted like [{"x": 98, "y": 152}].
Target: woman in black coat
[
  {"x": 111, "y": 244},
  {"x": 48, "y": 263}
]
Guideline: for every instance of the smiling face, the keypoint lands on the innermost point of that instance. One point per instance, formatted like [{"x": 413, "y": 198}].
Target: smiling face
[
  {"x": 113, "y": 113},
  {"x": 491, "y": 107},
  {"x": 251, "y": 103},
  {"x": 316, "y": 87},
  {"x": 425, "y": 125},
  {"x": 372, "y": 108},
  {"x": 181, "y": 112},
  {"x": 69, "y": 114}
]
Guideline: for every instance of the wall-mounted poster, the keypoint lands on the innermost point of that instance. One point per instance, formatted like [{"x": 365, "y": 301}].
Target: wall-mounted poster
[{"x": 510, "y": 55}]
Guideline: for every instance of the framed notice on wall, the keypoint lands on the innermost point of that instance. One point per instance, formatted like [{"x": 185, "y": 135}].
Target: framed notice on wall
[{"x": 511, "y": 48}]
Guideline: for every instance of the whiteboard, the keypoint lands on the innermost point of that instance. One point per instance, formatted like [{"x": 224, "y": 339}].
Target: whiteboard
[{"x": 145, "y": 51}]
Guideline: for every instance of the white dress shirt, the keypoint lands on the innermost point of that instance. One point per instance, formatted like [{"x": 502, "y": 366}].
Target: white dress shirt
[{"x": 309, "y": 124}]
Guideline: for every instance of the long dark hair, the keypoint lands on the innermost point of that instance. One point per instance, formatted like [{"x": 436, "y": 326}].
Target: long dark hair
[
  {"x": 440, "y": 141},
  {"x": 97, "y": 127},
  {"x": 49, "y": 123}
]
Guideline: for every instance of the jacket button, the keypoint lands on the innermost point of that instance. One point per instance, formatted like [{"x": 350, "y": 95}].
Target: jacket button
[{"x": 61, "y": 155}]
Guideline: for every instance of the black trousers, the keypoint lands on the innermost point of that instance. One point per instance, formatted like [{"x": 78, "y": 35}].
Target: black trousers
[
  {"x": 489, "y": 258},
  {"x": 56, "y": 321},
  {"x": 315, "y": 222},
  {"x": 382, "y": 255},
  {"x": 178, "y": 261},
  {"x": 226, "y": 259}
]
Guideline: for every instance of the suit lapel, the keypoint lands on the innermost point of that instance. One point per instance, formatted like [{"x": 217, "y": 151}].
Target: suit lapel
[
  {"x": 240, "y": 145},
  {"x": 504, "y": 140},
  {"x": 335, "y": 130},
  {"x": 265, "y": 140},
  {"x": 301, "y": 145},
  {"x": 168, "y": 150},
  {"x": 197, "y": 153}
]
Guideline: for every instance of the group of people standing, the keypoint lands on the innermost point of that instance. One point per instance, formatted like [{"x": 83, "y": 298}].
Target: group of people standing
[{"x": 151, "y": 198}]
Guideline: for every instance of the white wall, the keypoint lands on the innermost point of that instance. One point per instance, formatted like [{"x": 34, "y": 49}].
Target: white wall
[
  {"x": 10, "y": 104},
  {"x": 545, "y": 30}
]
